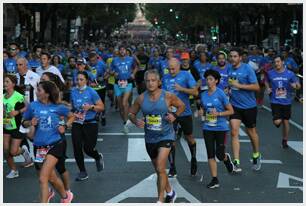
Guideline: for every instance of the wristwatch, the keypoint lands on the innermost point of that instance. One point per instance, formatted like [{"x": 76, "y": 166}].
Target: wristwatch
[{"x": 92, "y": 107}]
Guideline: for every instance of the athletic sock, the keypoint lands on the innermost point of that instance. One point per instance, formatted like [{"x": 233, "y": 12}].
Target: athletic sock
[
  {"x": 256, "y": 154},
  {"x": 193, "y": 150},
  {"x": 170, "y": 193},
  {"x": 237, "y": 161}
]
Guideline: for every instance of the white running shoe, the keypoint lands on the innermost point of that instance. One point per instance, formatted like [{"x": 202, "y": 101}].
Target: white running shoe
[{"x": 12, "y": 174}]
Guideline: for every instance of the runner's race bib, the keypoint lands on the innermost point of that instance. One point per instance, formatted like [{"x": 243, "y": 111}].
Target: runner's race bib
[
  {"x": 210, "y": 119},
  {"x": 281, "y": 93},
  {"x": 142, "y": 67},
  {"x": 41, "y": 154},
  {"x": 166, "y": 71},
  {"x": 80, "y": 117},
  {"x": 122, "y": 84},
  {"x": 230, "y": 81},
  {"x": 154, "y": 122},
  {"x": 7, "y": 123}
]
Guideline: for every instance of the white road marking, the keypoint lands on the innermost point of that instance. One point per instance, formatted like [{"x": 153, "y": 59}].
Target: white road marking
[
  {"x": 137, "y": 151},
  {"x": 116, "y": 134},
  {"x": 297, "y": 146},
  {"x": 147, "y": 188},
  {"x": 283, "y": 181}
]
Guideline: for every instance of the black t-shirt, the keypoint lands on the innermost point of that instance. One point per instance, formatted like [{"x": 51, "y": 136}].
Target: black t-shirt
[{"x": 193, "y": 72}]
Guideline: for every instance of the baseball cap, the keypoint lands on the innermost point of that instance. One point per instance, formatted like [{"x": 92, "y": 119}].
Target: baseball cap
[
  {"x": 185, "y": 55},
  {"x": 81, "y": 61}
]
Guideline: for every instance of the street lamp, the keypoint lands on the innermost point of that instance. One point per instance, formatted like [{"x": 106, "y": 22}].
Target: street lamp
[{"x": 171, "y": 10}]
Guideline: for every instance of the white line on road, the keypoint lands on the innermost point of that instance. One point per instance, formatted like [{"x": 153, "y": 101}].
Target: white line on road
[
  {"x": 137, "y": 151},
  {"x": 67, "y": 160},
  {"x": 290, "y": 121},
  {"x": 115, "y": 134},
  {"x": 270, "y": 161}
]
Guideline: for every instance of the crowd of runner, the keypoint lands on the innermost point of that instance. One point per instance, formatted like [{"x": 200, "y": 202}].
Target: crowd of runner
[{"x": 49, "y": 89}]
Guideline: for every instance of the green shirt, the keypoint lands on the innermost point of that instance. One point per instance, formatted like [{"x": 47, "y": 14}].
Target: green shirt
[{"x": 9, "y": 123}]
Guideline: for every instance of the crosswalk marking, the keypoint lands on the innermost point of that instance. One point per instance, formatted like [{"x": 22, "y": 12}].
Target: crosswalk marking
[
  {"x": 297, "y": 146},
  {"x": 137, "y": 151}
]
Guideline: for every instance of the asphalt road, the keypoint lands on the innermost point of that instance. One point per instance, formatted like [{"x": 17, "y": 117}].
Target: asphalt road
[{"x": 129, "y": 177}]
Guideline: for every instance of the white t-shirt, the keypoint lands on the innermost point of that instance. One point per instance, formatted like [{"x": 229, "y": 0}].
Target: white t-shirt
[
  {"x": 51, "y": 69},
  {"x": 31, "y": 78}
]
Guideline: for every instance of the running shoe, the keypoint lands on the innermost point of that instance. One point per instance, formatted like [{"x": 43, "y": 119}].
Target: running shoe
[
  {"x": 28, "y": 159},
  {"x": 69, "y": 197},
  {"x": 51, "y": 194},
  {"x": 100, "y": 163},
  {"x": 172, "y": 172},
  {"x": 237, "y": 167},
  {"x": 12, "y": 174},
  {"x": 257, "y": 163},
  {"x": 214, "y": 183},
  {"x": 81, "y": 176},
  {"x": 171, "y": 199},
  {"x": 228, "y": 163},
  {"x": 285, "y": 144},
  {"x": 193, "y": 167}
]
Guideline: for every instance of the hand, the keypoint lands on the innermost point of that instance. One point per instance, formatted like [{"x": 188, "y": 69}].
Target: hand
[
  {"x": 14, "y": 113},
  {"x": 61, "y": 129},
  {"x": 34, "y": 121},
  {"x": 214, "y": 112},
  {"x": 234, "y": 83},
  {"x": 226, "y": 90},
  {"x": 170, "y": 117},
  {"x": 140, "y": 123},
  {"x": 269, "y": 90},
  {"x": 293, "y": 85},
  {"x": 87, "y": 107},
  {"x": 201, "y": 112},
  {"x": 178, "y": 87}
]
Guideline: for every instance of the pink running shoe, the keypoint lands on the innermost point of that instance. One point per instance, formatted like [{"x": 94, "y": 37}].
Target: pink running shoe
[
  {"x": 69, "y": 197},
  {"x": 51, "y": 194}
]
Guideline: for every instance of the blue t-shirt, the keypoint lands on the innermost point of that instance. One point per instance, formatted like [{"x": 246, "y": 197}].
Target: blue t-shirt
[
  {"x": 155, "y": 63},
  {"x": 290, "y": 61},
  {"x": 78, "y": 99},
  {"x": 281, "y": 88},
  {"x": 218, "y": 101},
  {"x": 48, "y": 116},
  {"x": 184, "y": 79},
  {"x": 240, "y": 98},
  {"x": 256, "y": 59},
  {"x": 164, "y": 67},
  {"x": 98, "y": 71},
  {"x": 202, "y": 68},
  {"x": 33, "y": 63},
  {"x": 123, "y": 67},
  {"x": 224, "y": 76},
  {"x": 10, "y": 66}
]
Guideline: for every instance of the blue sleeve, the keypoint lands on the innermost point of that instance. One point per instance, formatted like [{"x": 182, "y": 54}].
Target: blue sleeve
[
  {"x": 225, "y": 100},
  {"x": 63, "y": 110},
  {"x": 294, "y": 64},
  {"x": 94, "y": 96},
  {"x": 191, "y": 81},
  {"x": 293, "y": 78},
  {"x": 28, "y": 114},
  {"x": 251, "y": 75}
]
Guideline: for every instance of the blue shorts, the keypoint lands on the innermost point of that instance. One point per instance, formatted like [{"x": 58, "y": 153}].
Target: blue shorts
[{"x": 119, "y": 91}]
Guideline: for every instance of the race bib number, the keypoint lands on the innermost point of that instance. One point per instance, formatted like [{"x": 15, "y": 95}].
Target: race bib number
[
  {"x": 111, "y": 80},
  {"x": 154, "y": 122},
  {"x": 142, "y": 67},
  {"x": 7, "y": 123},
  {"x": 230, "y": 81},
  {"x": 211, "y": 120},
  {"x": 166, "y": 71},
  {"x": 281, "y": 93},
  {"x": 80, "y": 117},
  {"x": 122, "y": 83},
  {"x": 41, "y": 154}
]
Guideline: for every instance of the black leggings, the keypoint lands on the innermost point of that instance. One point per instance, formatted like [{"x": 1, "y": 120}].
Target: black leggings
[
  {"x": 215, "y": 144},
  {"x": 84, "y": 137}
]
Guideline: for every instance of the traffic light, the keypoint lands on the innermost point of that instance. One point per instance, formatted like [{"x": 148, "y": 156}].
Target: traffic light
[
  {"x": 294, "y": 27},
  {"x": 214, "y": 32}
]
